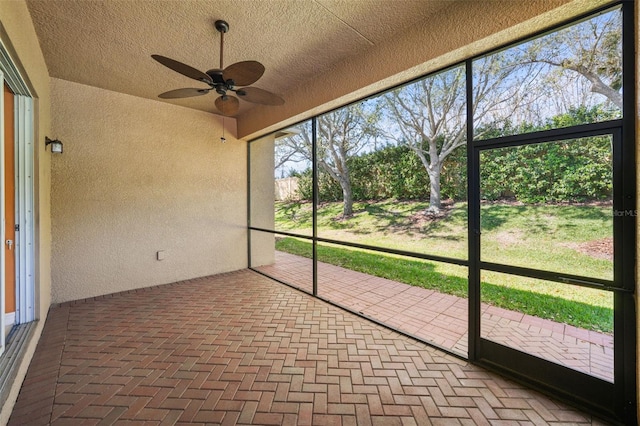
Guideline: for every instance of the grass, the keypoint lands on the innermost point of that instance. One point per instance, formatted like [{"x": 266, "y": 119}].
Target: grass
[
  {"x": 383, "y": 223},
  {"x": 540, "y": 237},
  {"x": 544, "y": 237}
]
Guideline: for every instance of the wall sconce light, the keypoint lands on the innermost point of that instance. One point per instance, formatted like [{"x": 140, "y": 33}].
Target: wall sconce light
[{"x": 56, "y": 145}]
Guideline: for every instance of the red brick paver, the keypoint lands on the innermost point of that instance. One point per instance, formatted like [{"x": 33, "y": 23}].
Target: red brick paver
[
  {"x": 442, "y": 319},
  {"x": 239, "y": 348}
]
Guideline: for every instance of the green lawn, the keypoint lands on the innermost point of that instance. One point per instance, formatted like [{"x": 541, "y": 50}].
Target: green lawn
[
  {"x": 385, "y": 223},
  {"x": 545, "y": 237}
]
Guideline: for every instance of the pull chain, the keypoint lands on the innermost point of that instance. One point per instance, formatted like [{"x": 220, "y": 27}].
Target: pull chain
[
  {"x": 222, "y": 30},
  {"x": 223, "y": 139}
]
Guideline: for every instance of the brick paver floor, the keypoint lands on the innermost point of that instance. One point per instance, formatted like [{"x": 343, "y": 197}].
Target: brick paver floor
[
  {"x": 442, "y": 318},
  {"x": 239, "y": 348}
]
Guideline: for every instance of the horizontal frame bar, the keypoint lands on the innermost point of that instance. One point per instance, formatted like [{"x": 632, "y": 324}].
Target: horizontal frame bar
[
  {"x": 288, "y": 234},
  {"x": 453, "y": 261},
  {"x": 550, "y": 378},
  {"x": 574, "y": 132},
  {"x": 559, "y": 277}
]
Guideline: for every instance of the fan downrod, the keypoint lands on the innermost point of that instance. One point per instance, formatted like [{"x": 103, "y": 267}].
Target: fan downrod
[{"x": 222, "y": 26}]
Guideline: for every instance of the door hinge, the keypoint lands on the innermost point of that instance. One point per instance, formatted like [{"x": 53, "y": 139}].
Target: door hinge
[{"x": 17, "y": 227}]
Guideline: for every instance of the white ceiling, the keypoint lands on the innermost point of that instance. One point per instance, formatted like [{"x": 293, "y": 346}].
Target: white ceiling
[{"x": 108, "y": 44}]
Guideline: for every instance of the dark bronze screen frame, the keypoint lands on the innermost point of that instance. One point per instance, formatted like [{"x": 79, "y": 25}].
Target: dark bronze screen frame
[{"x": 613, "y": 401}]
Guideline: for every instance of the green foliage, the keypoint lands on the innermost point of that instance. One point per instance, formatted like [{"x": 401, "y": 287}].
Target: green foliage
[
  {"x": 566, "y": 171},
  {"x": 570, "y": 171},
  {"x": 329, "y": 188},
  {"x": 391, "y": 172}
]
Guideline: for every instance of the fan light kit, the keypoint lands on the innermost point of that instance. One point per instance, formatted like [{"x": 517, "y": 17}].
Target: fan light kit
[{"x": 223, "y": 81}]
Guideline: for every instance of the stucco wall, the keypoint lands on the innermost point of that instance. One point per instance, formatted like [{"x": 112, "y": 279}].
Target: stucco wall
[
  {"x": 262, "y": 189},
  {"x": 139, "y": 176},
  {"x": 19, "y": 38}
]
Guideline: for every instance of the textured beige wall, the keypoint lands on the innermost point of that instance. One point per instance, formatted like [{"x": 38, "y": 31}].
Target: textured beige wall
[
  {"x": 138, "y": 176},
  {"x": 454, "y": 34},
  {"x": 19, "y": 37},
  {"x": 262, "y": 188}
]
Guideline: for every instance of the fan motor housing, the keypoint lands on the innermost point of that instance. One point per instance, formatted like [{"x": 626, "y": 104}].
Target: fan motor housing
[
  {"x": 219, "y": 84},
  {"x": 216, "y": 76}
]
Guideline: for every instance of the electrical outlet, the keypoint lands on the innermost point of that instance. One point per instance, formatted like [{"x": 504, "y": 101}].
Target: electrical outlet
[{"x": 160, "y": 255}]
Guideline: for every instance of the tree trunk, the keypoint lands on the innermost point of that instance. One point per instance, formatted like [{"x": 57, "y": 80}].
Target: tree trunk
[
  {"x": 433, "y": 166},
  {"x": 347, "y": 196},
  {"x": 435, "y": 203},
  {"x": 434, "y": 169}
]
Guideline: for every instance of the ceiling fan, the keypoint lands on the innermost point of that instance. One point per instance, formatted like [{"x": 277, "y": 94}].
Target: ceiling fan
[{"x": 224, "y": 81}]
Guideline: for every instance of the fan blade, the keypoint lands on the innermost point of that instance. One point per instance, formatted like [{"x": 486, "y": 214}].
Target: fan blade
[
  {"x": 243, "y": 73},
  {"x": 183, "y": 69},
  {"x": 183, "y": 93},
  {"x": 259, "y": 96},
  {"x": 227, "y": 105}
]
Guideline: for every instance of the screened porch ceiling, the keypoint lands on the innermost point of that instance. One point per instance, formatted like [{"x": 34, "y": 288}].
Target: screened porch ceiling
[
  {"x": 318, "y": 54},
  {"x": 108, "y": 44}
]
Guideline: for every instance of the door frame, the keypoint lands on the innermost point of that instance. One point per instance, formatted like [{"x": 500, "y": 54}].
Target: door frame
[
  {"x": 617, "y": 400},
  {"x": 25, "y": 151},
  {"x": 605, "y": 397},
  {"x": 9, "y": 175},
  {"x": 2, "y": 228}
]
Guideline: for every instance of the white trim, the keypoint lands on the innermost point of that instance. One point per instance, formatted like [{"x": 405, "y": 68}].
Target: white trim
[
  {"x": 9, "y": 321},
  {"x": 11, "y": 74},
  {"x": 24, "y": 244}
]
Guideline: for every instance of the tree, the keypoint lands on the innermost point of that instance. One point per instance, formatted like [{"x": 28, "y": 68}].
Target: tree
[
  {"x": 521, "y": 84},
  {"x": 591, "y": 50},
  {"x": 429, "y": 116},
  {"x": 342, "y": 134},
  {"x": 288, "y": 154},
  {"x": 285, "y": 155},
  {"x": 528, "y": 83}
]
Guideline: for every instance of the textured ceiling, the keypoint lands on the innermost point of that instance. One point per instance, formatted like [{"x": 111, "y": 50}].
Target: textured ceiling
[{"x": 108, "y": 44}]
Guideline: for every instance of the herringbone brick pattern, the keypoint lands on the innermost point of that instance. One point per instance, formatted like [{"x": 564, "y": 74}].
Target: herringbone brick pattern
[
  {"x": 442, "y": 318},
  {"x": 238, "y": 348}
]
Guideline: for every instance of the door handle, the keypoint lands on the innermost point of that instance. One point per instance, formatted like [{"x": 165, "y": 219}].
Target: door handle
[{"x": 9, "y": 244}]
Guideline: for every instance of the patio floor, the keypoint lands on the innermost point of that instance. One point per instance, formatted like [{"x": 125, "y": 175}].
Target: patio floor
[
  {"x": 442, "y": 318},
  {"x": 239, "y": 348}
]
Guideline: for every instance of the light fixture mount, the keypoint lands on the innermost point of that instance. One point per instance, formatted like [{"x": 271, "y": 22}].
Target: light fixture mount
[
  {"x": 222, "y": 26},
  {"x": 56, "y": 145}
]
